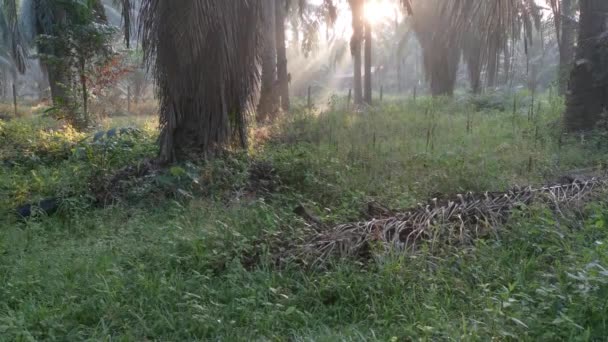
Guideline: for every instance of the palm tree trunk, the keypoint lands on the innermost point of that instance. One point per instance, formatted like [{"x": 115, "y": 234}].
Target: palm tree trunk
[
  {"x": 441, "y": 66},
  {"x": 58, "y": 83},
  {"x": 588, "y": 96},
  {"x": 85, "y": 93},
  {"x": 368, "y": 63},
  {"x": 474, "y": 69},
  {"x": 283, "y": 75},
  {"x": 208, "y": 79},
  {"x": 57, "y": 75},
  {"x": 269, "y": 100},
  {"x": 566, "y": 47},
  {"x": 2, "y": 84},
  {"x": 492, "y": 72},
  {"x": 472, "y": 54},
  {"x": 15, "y": 98},
  {"x": 441, "y": 55},
  {"x": 492, "y": 61},
  {"x": 355, "y": 46},
  {"x": 507, "y": 64}
]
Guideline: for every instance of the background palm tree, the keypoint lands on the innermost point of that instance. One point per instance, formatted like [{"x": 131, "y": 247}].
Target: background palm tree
[
  {"x": 482, "y": 28},
  {"x": 440, "y": 47},
  {"x": 564, "y": 12},
  {"x": 356, "y": 7},
  {"x": 281, "y": 8},
  {"x": 367, "y": 81},
  {"x": 588, "y": 96},
  {"x": 269, "y": 97}
]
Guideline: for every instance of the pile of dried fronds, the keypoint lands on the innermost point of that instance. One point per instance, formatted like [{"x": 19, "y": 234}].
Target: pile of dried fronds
[{"x": 456, "y": 221}]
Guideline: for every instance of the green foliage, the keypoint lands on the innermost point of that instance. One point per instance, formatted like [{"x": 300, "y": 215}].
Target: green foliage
[
  {"x": 173, "y": 275},
  {"x": 77, "y": 50},
  {"x": 195, "y": 265},
  {"x": 42, "y": 158},
  {"x": 406, "y": 151}
]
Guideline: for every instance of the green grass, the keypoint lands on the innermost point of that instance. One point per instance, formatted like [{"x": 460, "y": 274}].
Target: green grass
[{"x": 170, "y": 267}]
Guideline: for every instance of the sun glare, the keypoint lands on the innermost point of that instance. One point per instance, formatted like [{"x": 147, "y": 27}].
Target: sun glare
[{"x": 379, "y": 10}]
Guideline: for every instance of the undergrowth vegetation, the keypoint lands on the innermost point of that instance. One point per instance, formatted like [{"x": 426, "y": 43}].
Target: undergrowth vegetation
[{"x": 140, "y": 252}]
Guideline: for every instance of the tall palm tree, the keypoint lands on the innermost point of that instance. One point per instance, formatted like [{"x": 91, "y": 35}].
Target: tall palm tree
[
  {"x": 443, "y": 26},
  {"x": 588, "y": 96},
  {"x": 565, "y": 27},
  {"x": 356, "y": 7},
  {"x": 11, "y": 59},
  {"x": 367, "y": 81},
  {"x": 204, "y": 56},
  {"x": 472, "y": 53},
  {"x": 281, "y": 8},
  {"x": 269, "y": 97},
  {"x": 440, "y": 49}
]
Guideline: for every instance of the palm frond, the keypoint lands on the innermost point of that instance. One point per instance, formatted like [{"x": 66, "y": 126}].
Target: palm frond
[{"x": 457, "y": 221}]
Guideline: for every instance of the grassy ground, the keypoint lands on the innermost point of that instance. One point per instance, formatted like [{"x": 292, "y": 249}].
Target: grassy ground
[{"x": 163, "y": 263}]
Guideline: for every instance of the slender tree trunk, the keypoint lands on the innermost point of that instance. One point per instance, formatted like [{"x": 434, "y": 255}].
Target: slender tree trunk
[
  {"x": 368, "y": 63},
  {"x": 474, "y": 69},
  {"x": 566, "y": 46},
  {"x": 56, "y": 71},
  {"x": 2, "y": 84},
  {"x": 399, "y": 85},
  {"x": 85, "y": 93},
  {"x": 492, "y": 66},
  {"x": 507, "y": 64},
  {"x": 398, "y": 57},
  {"x": 472, "y": 56},
  {"x": 282, "y": 73},
  {"x": 269, "y": 98},
  {"x": 492, "y": 72},
  {"x": 15, "y": 99},
  {"x": 58, "y": 83},
  {"x": 129, "y": 99},
  {"x": 355, "y": 46},
  {"x": 588, "y": 95}
]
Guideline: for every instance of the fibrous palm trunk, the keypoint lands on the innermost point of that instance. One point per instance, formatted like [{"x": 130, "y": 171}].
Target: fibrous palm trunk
[
  {"x": 441, "y": 55},
  {"x": 472, "y": 56},
  {"x": 58, "y": 82},
  {"x": 441, "y": 70},
  {"x": 3, "y": 83},
  {"x": 368, "y": 64},
  {"x": 588, "y": 95},
  {"x": 506, "y": 63},
  {"x": 566, "y": 46},
  {"x": 282, "y": 74},
  {"x": 57, "y": 71},
  {"x": 206, "y": 65},
  {"x": 355, "y": 46},
  {"x": 269, "y": 98}
]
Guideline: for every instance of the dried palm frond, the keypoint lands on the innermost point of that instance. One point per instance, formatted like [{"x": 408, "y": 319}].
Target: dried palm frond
[{"x": 457, "y": 221}]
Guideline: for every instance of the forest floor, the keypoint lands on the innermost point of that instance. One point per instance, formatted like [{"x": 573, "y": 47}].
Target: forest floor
[{"x": 136, "y": 253}]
